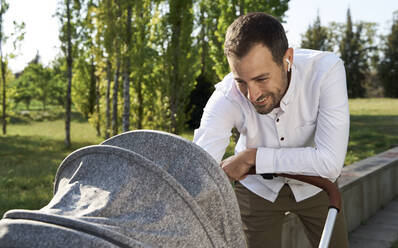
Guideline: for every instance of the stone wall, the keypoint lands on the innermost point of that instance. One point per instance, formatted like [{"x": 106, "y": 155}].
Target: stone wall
[{"x": 366, "y": 186}]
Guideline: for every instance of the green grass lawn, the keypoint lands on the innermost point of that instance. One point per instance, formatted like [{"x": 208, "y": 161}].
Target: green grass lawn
[
  {"x": 29, "y": 158},
  {"x": 31, "y": 151},
  {"x": 373, "y": 129}
]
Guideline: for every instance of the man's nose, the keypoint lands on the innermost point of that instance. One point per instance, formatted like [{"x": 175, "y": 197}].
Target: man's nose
[{"x": 253, "y": 93}]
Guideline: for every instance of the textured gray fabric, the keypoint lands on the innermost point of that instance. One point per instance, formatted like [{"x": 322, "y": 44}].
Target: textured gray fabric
[
  {"x": 196, "y": 171},
  {"x": 138, "y": 189}
]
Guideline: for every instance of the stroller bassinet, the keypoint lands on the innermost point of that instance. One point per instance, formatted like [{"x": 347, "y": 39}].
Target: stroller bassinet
[{"x": 136, "y": 189}]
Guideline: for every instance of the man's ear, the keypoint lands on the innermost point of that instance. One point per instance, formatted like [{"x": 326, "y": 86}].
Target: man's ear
[{"x": 288, "y": 58}]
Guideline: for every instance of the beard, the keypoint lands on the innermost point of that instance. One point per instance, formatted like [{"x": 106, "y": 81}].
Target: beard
[
  {"x": 269, "y": 106},
  {"x": 274, "y": 98}
]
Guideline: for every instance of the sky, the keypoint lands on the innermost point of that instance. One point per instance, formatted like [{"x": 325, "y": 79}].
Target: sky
[{"x": 41, "y": 31}]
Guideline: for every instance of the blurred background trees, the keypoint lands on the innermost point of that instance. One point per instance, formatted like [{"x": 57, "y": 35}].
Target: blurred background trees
[
  {"x": 153, "y": 64},
  {"x": 388, "y": 67}
]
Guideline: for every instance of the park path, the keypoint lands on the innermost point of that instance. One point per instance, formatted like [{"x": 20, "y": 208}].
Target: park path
[{"x": 380, "y": 231}]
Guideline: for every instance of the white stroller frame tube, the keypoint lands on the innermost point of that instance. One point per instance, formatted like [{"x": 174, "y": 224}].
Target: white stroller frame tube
[{"x": 328, "y": 228}]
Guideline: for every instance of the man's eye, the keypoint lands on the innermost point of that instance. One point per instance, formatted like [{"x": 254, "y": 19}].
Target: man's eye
[{"x": 261, "y": 79}]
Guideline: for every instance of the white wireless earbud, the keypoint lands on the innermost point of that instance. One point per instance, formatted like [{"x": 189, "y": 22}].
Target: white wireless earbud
[{"x": 288, "y": 65}]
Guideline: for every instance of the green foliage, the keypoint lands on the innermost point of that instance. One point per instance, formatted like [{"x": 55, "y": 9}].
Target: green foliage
[
  {"x": 82, "y": 96},
  {"x": 159, "y": 56},
  {"x": 24, "y": 91},
  {"x": 227, "y": 11},
  {"x": 181, "y": 61},
  {"x": 57, "y": 81},
  {"x": 355, "y": 52},
  {"x": 317, "y": 37},
  {"x": 388, "y": 68},
  {"x": 37, "y": 82},
  {"x": 17, "y": 36},
  {"x": 75, "y": 23}
]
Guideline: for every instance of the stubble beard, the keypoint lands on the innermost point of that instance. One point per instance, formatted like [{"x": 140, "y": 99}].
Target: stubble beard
[
  {"x": 267, "y": 108},
  {"x": 273, "y": 98}
]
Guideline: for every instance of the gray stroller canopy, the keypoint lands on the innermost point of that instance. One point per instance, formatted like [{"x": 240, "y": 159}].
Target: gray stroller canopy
[{"x": 136, "y": 189}]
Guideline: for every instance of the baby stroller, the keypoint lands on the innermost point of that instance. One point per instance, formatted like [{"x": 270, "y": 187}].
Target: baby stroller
[{"x": 138, "y": 189}]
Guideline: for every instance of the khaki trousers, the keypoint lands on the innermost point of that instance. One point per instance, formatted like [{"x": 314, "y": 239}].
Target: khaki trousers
[{"x": 262, "y": 219}]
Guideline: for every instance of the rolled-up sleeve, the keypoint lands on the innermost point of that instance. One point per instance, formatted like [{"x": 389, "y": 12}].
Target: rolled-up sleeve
[
  {"x": 326, "y": 158},
  {"x": 219, "y": 117}
]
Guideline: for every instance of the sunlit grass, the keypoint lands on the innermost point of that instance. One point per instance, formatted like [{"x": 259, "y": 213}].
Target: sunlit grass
[
  {"x": 373, "y": 129},
  {"x": 374, "y": 106},
  {"x": 29, "y": 157},
  {"x": 80, "y": 131}
]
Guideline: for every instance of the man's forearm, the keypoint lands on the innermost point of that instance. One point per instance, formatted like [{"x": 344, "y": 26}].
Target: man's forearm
[{"x": 237, "y": 167}]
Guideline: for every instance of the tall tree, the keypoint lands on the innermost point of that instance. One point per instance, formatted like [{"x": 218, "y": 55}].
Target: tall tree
[
  {"x": 181, "y": 60},
  {"x": 16, "y": 36},
  {"x": 388, "y": 68},
  {"x": 354, "y": 56},
  {"x": 115, "y": 95},
  {"x": 107, "y": 98},
  {"x": 96, "y": 55},
  {"x": 34, "y": 83},
  {"x": 317, "y": 37},
  {"x": 90, "y": 56},
  {"x": 69, "y": 61},
  {"x": 205, "y": 20},
  {"x": 127, "y": 6},
  {"x": 69, "y": 15},
  {"x": 142, "y": 60},
  {"x": 4, "y": 8},
  {"x": 112, "y": 23}
]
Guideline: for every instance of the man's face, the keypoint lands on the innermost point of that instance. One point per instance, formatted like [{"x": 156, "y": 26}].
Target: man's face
[{"x": 259, "y": 78}]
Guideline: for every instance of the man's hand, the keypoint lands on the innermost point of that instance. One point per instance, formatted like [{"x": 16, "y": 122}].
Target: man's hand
[{"x": 237, "y": 167}]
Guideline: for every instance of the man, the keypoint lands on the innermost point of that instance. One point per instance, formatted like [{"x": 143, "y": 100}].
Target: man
[{"x": 291, "y": 110}]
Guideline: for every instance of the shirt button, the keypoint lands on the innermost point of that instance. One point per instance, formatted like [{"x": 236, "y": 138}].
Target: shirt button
[
  {"x": 277, "y": 120},
  {"x": 282, "y": 139}
]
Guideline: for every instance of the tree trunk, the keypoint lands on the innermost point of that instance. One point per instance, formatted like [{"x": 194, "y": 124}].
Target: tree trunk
[
  {"x": 140, "y": 98},
  {"x": 3, "y": 72},
  {"x": 69, "y": 61},
  {"x": 3, "y": 77},
  {"x": 126, "y": 75},
  {"x": 175, "y": 80},
  {"x": 140, "y": 105},
  {"x": 108, "y": 89},
  {"x": 97, "y": 104},
  {"x": 241, "y": 7},
  {"x": 115, "y": 98},
  {"x": 202, "y": 40},
  {"x": 92, "y": 95}
]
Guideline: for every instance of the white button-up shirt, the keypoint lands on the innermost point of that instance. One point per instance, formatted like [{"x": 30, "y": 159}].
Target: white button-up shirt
[{"x": 306, "y": 135}]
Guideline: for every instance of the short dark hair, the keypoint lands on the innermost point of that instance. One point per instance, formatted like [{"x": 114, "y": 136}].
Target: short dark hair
[{"x": 253, "y": 28}]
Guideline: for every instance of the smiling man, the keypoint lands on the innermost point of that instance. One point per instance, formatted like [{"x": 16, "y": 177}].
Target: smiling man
[{"x": 291, "y": 110}]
